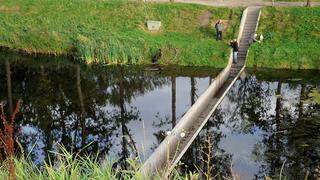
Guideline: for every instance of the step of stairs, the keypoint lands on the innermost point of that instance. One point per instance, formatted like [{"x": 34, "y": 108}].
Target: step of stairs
[
  {"x": 248, "y": 30},
  {"x": 157, "y": 160}
]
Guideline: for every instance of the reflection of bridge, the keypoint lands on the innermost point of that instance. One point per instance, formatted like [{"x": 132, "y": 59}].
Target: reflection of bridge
[{"x": 172, "y": 148}]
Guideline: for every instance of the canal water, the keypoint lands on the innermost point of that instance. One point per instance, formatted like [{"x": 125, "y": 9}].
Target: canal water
[
  {"x": 118, "y": 111},
  {"x": 266, "y": 127},
  {"x": 263, "y": 128}
]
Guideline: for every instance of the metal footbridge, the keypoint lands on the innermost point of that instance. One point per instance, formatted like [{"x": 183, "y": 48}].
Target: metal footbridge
[{"x": 172, "y": 148}]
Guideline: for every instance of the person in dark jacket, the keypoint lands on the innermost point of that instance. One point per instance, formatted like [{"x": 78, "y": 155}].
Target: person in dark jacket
[
  {"x": 235, "y": 47},
  {"x": 219, "y": 28},
  {"x": 156, "y": 56}
]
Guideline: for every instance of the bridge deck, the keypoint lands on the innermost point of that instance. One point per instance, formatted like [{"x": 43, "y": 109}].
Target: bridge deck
[{"x": 170, "y": 151}]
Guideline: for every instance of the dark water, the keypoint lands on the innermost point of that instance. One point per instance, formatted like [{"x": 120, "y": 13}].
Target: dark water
[
  {"x": 121, "y": 110},
  {"x": 264, "y": 123}
]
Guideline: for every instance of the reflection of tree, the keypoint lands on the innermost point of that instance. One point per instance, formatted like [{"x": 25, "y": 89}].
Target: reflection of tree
[
  {"x": 204, "y": 154},
  {"x": 8, "y": 76},
  {"x": 69, "y": 104},
  {"x": 173, "y": 103},
  {"x": 251, "y": 105},
  {"x": 196, "y": 158},
  {"x": 289, "y": 129},
  {"x": 161, "y": 122},
  {"x": 82, "y": 109},
  {"x": 293, "y": 139}
]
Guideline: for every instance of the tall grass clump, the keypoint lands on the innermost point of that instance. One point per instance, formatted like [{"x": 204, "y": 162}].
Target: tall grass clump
[
  {"x": 111, "y": 51},
  {"x": 291, "y": 39},
  {"x": 115, "y": 31},
  {"x": 73, "y": 166}
]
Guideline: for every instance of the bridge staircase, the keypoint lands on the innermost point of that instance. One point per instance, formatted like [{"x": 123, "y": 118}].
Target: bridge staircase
[{"x": 172, "y": 148}]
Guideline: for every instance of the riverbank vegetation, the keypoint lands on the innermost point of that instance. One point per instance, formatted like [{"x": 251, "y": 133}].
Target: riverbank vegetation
[
  {"x": 61, "y": 164},
  {"x": 114, "y": 32},
  {"x": 69, "y": 167},
  {"x": 291, "y": 39}
]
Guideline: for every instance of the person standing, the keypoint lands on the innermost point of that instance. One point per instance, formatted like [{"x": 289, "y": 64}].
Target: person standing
[
  {"x": 219, "y": 28},
  {"x": 235, "y": 47}
]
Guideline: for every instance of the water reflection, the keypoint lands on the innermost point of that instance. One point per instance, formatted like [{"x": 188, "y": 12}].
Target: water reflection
[
  {"x": 111, "y": 110},
  {"x": 264, "y": 123},
  {"x": 262, "y": 126}
]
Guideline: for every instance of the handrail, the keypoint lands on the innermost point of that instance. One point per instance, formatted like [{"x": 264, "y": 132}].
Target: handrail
[
  {"x": 170, "y": 143},
  {"x": 258, "y": 20},
  {"x": 242, "y": 22}
]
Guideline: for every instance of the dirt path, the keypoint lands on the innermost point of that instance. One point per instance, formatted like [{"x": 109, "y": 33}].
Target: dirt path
[{"x": 240, "y": 3}]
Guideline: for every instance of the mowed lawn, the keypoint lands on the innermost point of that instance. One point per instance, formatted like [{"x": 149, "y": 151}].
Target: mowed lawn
[
  {"x": 115, "y": 31},
  {"x": 291, "y": 39}
]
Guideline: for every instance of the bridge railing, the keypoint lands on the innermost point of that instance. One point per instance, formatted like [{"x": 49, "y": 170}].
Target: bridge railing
[
  {"x": 243, "y": 20},
  {"x": 169, "y": 145}
]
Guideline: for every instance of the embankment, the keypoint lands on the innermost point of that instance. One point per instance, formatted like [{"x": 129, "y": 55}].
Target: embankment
[
  {"x": 114, "y": 32},
  {"x": 291, "y": 39}
]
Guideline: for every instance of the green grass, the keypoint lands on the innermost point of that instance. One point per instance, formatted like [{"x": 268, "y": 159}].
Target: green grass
[
  {"x": 73, "y": 166},
  {"x": 291, "y": 39},
  {"x": 114, "y": 31}
]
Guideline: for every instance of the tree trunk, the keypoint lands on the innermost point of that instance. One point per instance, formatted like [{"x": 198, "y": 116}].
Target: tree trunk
[
  {"x": 173, "y": 103},
  {"x": 125, "y": 152},
  {"x": 82, "y": 109},
  {"x": 193, "y": 90},
  {"x": 9, "y": 87},
  {"x": 276, "y": 143},
  {"x": 278, "y": 105},
  {"x": 300, "y": 115},
  {"x": 195, "y": 150},
  {"x": 210, "y": 80}
]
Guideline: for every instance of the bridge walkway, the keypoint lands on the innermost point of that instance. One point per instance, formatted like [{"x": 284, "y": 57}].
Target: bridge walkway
[{"x": 172, "y": 148}]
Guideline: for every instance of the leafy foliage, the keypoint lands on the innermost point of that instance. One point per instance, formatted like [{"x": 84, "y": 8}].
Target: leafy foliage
[{"x": 314, "y": 97}]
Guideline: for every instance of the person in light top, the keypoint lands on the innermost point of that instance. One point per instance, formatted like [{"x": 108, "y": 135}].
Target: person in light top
[{"x": 254, "y": 38}]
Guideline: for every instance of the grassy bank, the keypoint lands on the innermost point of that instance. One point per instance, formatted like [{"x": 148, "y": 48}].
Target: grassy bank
[
  {"x": 72, "y": 166},
  {"x": 291, "y": 39},
  {"x": 115, "y": 31}
]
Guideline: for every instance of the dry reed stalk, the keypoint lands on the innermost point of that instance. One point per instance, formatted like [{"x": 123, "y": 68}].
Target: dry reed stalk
[{"x": 7, "y": 137}]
